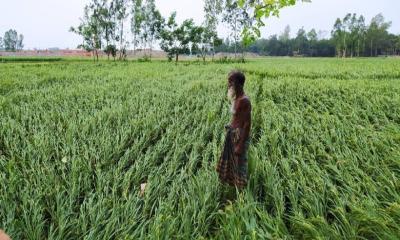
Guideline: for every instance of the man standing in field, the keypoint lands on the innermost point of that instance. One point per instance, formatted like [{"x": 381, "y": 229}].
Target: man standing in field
[{"x": 232, "y": 166}]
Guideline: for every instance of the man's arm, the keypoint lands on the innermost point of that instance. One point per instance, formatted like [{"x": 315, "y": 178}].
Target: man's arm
[{"x": 245, "y": 113}]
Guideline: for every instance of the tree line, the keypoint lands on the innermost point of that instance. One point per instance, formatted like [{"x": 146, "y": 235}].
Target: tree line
[
  {"x": 350, "y": 37},
  {"x": 12, "y": 41},
  {"x": 103, "y": 27}
]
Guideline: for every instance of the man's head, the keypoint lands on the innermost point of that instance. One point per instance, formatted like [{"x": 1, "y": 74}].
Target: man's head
[{"x": 236, "y": 80}]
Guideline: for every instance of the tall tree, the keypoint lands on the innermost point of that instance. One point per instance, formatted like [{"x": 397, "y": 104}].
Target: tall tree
[
  {"x": 355, "y": 27},
  {"x": 301, "y": 41},
  {"x": 108, "y": 27},
  {"x": 20, "y": 42},
  {"x": 376, "y": 33},
  {"x": 11, "y": 41},
  {"x": 397, "y": 46},
  {"x": 285, "y": 36},
  {"x": 175, "y": 40},
  {"x": 151, "y": 25},
  {"x": 273, "y": 45},
  {"x": 237, "y": 17},
  {"x": 312, "y": 39},
  {"x": 285, "y": 39},
  {"x": 136, "y": 22},
  {"x": 349, "y": 35},
  {"x": 121, "y": 13},
  {"x": 338, "y": 34},
  {"x": 361, "y": 30},
  {"x": 203, "y": 41},
  {"x": 352, "y": 35},
  {"x": 212, "y": 10},
  {"x": 90, "y": 29},
  {"x": 1, "y": 43},
  {"x": 345, "y": 36},
  {"x": 390, "y": 44}
]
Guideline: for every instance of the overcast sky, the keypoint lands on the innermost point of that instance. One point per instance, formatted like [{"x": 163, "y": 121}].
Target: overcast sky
[{"x": 45, "y": 23}]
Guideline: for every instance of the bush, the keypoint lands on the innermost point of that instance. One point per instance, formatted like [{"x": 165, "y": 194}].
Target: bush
[{"x": 226, "y": 59}]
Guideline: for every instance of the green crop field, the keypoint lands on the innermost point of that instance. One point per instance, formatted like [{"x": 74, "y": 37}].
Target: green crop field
[{"x": 78, "y": 138}]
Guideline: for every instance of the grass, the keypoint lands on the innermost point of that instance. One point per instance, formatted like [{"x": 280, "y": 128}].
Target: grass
[{"x": 77, "y": 139}]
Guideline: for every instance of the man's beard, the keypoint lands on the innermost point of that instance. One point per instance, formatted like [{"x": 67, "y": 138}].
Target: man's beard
[
  {"x": 231, "y": 94},
  {"x": 232, "y": 97}
]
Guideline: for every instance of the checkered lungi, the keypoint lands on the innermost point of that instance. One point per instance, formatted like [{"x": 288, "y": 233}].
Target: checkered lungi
[{"x": 231, "y": 168}]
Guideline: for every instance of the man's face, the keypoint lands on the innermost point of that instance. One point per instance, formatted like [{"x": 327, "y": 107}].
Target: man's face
[
  {"x": 231, "y": 90},
  {"x": 231, "y": 82}
]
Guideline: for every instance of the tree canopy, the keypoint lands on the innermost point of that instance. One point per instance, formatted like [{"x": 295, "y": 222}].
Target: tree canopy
[
  {"x": 262, "y": 9},
  {"x": 12, "y": 41}
]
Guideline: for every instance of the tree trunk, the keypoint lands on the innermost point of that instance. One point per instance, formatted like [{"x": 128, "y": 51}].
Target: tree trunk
[
  {"x": 235, "y": 39},
  {"x": 150, "y": 47},
  {"x": 363, "y": 47},
  {"x": 121, "y": 40},
  {"x": 107, "y": 44},
  {"x": 151, "y": 52},
  {"x": 134, "y": 44},
  {"x": 344, "y": 46},
  {"x": 176, "y": 57},
  {"x": 371, "y": 49},
  {"x": 213, "y": 51},
  {"x": 235, "y": 49}
]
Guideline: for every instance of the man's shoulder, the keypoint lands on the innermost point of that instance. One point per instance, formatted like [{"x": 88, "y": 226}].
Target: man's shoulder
[{"x": 245, "y": 100}]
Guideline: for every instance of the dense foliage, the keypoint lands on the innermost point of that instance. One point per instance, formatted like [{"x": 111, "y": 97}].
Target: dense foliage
[
  {"x": 12, "y": 41},
  {"x": 350, "y": 37}
]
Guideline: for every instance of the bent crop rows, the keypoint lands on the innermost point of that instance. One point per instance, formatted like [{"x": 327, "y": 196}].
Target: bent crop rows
[{"x": 77, "y": 139}]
